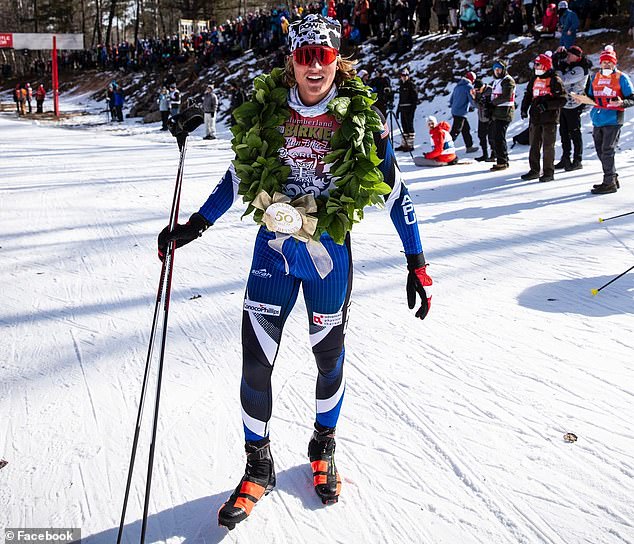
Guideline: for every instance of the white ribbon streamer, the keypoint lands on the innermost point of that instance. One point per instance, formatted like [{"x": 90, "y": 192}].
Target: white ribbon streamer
[{"x": 304, "y": 205}]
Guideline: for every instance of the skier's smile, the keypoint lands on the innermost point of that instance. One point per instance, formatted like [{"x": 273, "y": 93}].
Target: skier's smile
[{"x": 315, "y": 80}]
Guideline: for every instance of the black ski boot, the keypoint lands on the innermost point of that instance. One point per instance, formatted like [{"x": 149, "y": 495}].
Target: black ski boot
[
  {"x": 615, "y": 181},
  {"x": 574, "y": 165},
  {"x": 562, "y": 164},
  {"x": 604, "y": 189},
  {"x": 321, "y": 452},
  {"x": 258, "y": 480}
]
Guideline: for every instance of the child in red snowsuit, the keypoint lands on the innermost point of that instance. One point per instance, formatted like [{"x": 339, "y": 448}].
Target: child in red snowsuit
[{"x": 444, "y": 150}]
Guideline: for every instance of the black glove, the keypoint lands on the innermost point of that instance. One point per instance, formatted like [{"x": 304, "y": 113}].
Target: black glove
[
  {"x": 418, "y": 282},
  {"x": 183, "y": 234},
  {"x": 181, "y": 124},
  {"x": 186, "y": 121},
  {"x": 524, "y": 114}
]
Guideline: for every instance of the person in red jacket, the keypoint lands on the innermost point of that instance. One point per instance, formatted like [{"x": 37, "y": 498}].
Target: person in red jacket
[
  {"x": 29, "y": 96},
  {"x": 444, "y": 152},
  {"x": 549, "y": 23},
  {"x": 40, "y": 95}
]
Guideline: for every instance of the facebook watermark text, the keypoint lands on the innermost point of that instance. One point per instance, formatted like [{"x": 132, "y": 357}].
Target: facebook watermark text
[{"x": 25, "y": 536}]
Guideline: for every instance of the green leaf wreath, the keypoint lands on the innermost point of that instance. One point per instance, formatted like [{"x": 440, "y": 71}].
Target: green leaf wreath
[{"x": 354, "y": 162}]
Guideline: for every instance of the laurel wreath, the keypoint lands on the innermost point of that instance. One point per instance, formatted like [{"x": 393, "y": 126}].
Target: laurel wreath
[{"x": 354, "y": 161}]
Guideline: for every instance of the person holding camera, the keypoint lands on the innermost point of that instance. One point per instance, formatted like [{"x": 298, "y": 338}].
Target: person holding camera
[
  {"x": 503, "y": 102},
  {"x": 573, "y": 68},
  {"x": 482, "y": 95},
  {"x": 610, "y": 91},
  {"x": 544, "y": 97}
]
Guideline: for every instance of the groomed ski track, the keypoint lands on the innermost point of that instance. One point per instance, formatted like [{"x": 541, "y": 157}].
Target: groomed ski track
[{"x": 451, "y": 430}]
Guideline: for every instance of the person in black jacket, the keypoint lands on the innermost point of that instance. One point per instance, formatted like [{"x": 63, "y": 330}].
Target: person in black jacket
[
  {"x": 482, "y": 95},
  {"x": 544, "y": 97},
  {"x": 384, "y": 95},
  {"x": 407, "y": 101},
  {"x": 503, "y": 102},
  {"x": 574, "y": 69},
  {"x": 237, "y": 97}
]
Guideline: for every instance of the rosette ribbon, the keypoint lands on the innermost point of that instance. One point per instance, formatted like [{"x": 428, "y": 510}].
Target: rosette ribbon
[{"x": 303, "y": 205}]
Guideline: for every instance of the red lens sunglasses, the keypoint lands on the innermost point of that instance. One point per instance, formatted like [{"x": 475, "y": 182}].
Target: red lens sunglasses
[{"x": 307, "y": 54}]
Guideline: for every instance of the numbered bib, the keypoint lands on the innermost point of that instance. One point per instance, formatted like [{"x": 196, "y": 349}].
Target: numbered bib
[{"x": 284, "y": 218}]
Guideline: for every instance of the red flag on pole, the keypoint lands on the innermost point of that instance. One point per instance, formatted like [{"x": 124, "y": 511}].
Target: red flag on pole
[{"x": 55, "y": 78}]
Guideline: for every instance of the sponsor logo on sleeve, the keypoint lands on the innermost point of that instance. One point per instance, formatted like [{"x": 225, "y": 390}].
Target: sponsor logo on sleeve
[
  {"x": 327, "y": 320},
  {"x": 262, "y": 308},
  {"x": 261, "y": 273}
]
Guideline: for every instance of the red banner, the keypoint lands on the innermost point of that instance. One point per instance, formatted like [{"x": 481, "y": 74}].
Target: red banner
[{"x": 6, "y": 40}]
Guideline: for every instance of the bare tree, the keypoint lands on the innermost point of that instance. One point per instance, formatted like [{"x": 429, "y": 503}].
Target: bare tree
[
  {"x": 113, "y": 7},
  {"x": 139, "y": 4}
]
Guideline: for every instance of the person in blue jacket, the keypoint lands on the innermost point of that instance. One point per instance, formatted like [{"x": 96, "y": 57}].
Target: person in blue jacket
[
  {"x": 469, "y": 20},
  {"x": 461, "y": 101},
  {"x": 609, "y": 91},
  {"x": 569, "y": 24},
  {"x": 118, "y": 100},
  {"x": 285, "y": 261}
]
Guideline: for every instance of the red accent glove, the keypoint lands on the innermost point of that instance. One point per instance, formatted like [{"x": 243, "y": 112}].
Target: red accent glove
[
  {"x": 418, "y": 281},
  {"x": 183, "y": 234}
]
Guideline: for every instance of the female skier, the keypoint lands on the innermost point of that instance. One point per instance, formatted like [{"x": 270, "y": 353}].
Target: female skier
[{"x": 306, "y": 127}]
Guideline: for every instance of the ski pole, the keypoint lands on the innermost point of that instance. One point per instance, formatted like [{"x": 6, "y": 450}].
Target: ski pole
[
  {"x": 601, "y": 220},
  {"x": 169, "y": 258},
  {"x": 596, "y": 291},
  {"x": 163, "y": 293}
]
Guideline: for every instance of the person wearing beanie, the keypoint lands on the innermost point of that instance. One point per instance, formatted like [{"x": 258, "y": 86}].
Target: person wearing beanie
[
  {"x": 544, "y": 97},
  {"x": 210, "y": 106},
  {"x": 482, "y": 96},
  {"x": 549, "y": 23},
  {"x": 382, "y": 86},
  {"x": 29, "y": 96},
  {"x": 163, "y": 101},
  {"x": 573, "y": 69},
  {"x": 175, "y": 100},
  {"x": 503, "y": 102},
  {"x": 610, "y": 92},
  {"x": 40, "y": 96},
  {"x": 460, "y": 102},
  {"x": 407, "y": 102},
  {"x": 469, "y": 19},
  {"x": 568, "y": 23},
  {"x": 444, "y": 152},
  {"x": 297, "y": 129}
]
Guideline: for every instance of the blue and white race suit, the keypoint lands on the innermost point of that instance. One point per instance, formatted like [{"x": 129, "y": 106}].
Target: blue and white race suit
[{"x": 272, "y": 291}]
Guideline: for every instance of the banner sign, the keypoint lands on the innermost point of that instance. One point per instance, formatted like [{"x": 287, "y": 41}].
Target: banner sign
[
  {"x": 6, "y": 40},
  {"x": 43, "y": 40}
]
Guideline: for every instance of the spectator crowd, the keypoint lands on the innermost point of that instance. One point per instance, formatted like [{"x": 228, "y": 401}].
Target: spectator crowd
[
  {"x": 390, "y": 24},
  {"x": 559, "y": 89}
]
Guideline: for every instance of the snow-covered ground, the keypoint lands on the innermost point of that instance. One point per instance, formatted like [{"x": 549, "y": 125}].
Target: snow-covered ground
[{"x": 452, "y": 428}]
